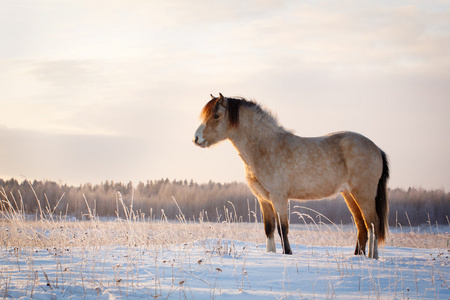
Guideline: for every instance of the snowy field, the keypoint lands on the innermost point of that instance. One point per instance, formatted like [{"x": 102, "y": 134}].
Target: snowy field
[
  {"x": 138, "y": 259},
  {"x": 141, "y": 258}
]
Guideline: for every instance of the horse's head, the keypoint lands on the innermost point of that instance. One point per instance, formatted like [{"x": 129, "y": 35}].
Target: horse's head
[{"x": 215, "y": 122}]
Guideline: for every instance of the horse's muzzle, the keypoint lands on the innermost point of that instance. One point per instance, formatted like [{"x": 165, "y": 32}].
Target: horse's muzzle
[
  {"x": 199, "y": 143},
  {"x": 198, "y": 137}
]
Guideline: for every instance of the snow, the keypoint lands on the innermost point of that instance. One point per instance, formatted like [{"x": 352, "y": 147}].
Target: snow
[{"x": 221, "y": 268}]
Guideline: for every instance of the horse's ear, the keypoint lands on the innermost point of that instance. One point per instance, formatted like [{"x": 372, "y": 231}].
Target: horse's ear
[
  {"x": 221, "y": 98},
  {"x": 212, "y": 97}
]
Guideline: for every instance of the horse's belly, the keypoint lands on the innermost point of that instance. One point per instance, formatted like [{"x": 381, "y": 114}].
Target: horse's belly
[{"x": 316, "y": 190}]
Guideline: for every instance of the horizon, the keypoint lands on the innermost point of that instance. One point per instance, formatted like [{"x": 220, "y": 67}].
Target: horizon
[
  {"x": 176, "y": 180},
  {"x": 93, "y": 91}
]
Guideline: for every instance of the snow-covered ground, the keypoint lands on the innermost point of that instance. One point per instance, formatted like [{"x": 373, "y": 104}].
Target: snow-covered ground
[{"x": 178, "y": 260}]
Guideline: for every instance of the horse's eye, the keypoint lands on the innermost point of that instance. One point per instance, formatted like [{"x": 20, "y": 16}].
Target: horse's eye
[{"x": 216, "y": 117}]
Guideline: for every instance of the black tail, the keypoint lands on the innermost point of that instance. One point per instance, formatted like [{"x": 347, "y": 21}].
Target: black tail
[{"x": 381, "y": 200}]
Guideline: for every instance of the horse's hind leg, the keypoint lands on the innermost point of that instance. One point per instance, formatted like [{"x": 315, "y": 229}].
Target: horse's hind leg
[
  {"x": 269, "y": 224},
  {"x": 359, "y": 221},
  {"x": 366, "y": 204}
]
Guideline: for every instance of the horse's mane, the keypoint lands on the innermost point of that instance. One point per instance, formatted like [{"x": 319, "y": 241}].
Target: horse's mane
[{"x": 234, "y": 105}]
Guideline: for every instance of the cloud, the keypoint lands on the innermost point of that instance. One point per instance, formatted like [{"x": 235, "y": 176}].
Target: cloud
[
  {"x": 260, "y": 35},
  {"x": 348, "y": 38},
  {"x": 71, "y": 158},
  {"x": 165, "y": 151}
]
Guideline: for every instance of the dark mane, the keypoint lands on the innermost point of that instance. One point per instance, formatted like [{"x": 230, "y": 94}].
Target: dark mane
[
  {"x": 233, "y": 109},
  {"x": 234, "y": 104}
]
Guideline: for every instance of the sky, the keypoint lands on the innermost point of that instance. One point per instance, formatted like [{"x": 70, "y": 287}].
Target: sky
[{"x": 112, "y": 90}]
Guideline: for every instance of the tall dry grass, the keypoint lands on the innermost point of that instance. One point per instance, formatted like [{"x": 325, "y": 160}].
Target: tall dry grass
[{"x": 80, "y": 251}]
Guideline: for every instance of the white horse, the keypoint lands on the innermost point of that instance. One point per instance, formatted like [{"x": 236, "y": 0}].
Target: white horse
[{"x": 281, "y": 166}]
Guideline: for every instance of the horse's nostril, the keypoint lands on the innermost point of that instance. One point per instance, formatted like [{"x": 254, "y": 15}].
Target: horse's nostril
[{"x": 196, "y": 139}]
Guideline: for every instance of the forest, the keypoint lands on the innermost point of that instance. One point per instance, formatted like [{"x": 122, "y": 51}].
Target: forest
[{"x": 212, "y": 201}]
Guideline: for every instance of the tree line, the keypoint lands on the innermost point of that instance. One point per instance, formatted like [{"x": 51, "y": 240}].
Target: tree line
[{"x": 212, "y": 201}]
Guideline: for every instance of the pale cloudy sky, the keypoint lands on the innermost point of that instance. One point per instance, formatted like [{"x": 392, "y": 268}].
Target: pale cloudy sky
[{"x": 97, "y": 90}]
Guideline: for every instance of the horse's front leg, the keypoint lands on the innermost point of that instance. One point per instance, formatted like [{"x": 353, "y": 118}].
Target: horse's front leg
[
  {"x": 281, "y": 215},
  {"x": 269, "y": 223}
]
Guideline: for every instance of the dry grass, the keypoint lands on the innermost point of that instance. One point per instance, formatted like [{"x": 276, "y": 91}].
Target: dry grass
[
  {"x": 80, "y": 255},
  {"x": 137, "y": 230}
]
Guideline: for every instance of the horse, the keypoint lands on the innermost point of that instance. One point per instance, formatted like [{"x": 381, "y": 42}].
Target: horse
[{"x": 280, "y": 166}]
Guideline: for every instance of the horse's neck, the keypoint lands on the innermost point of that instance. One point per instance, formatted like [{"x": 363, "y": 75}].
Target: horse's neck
[{"x": 255, "y": 132}]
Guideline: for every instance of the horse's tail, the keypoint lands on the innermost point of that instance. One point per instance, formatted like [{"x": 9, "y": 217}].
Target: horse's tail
[{"x": 381, "y": 200}]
